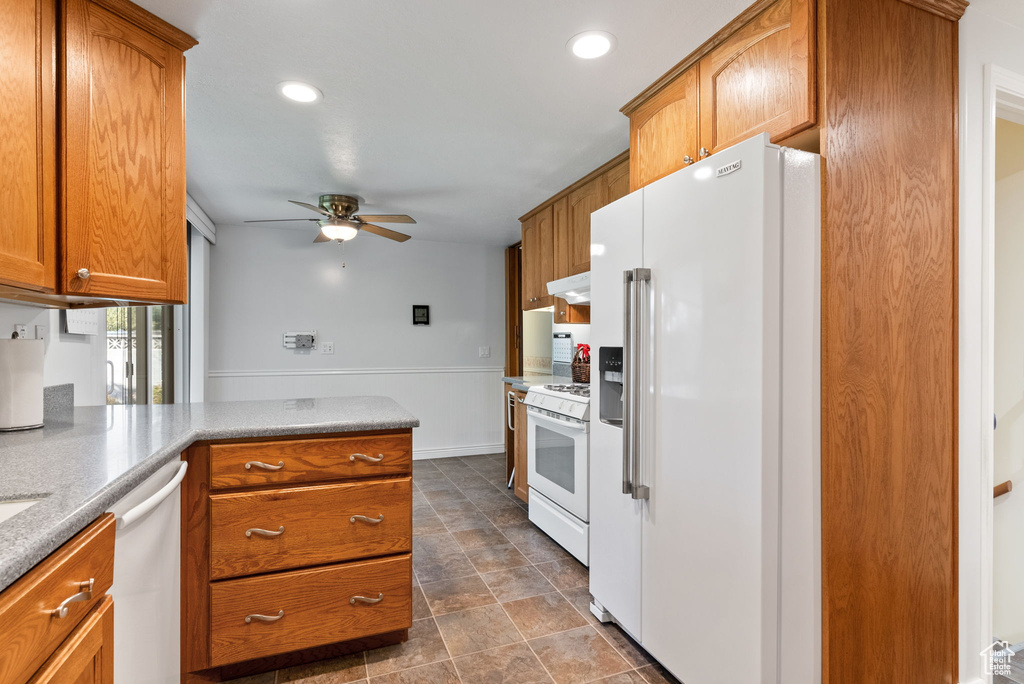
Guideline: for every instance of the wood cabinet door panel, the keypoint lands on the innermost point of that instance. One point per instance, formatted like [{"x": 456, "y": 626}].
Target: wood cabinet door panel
[
  {"x": 582, "y": 202},
  {"x": 538, "y": 259},
  {"x": 616, "y": 182},
  {"x": 761, "y": 79},
  {"x": 30, "y": 632},
  {"x": 28, "y": 115},
  {"x": 531, "y": 262},
  {"x": 124, "y": 181},
  {"x": 87, "y": 657},
  {"x": 305, "y": 460},
  {"x": 323, "y": 524},
  {"x": 664, "y": 131},
  {"x": 519, "y": 484},
  {"x": 316, "y": 604}
]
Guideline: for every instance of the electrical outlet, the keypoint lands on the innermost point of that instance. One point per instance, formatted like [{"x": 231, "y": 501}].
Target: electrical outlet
[
  {"x": 41, "y": 331},
  {"x": 485, "y": 352},
  {"x": 326, "y": 347},
  {"x": 20, "y": 331}
]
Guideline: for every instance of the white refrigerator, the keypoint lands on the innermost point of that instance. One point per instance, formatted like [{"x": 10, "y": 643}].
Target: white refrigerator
[{"x": 704, "y": 477}]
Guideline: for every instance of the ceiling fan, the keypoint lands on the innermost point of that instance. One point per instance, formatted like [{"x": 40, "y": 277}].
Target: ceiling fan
[{"x": 341, "y": 222}]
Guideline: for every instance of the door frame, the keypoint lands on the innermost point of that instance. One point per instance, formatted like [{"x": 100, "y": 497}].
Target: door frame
[{"x": 1003, "y": 96}]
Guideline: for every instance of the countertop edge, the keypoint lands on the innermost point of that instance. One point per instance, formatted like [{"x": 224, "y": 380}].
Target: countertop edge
[{"x": 32, "y": 551}]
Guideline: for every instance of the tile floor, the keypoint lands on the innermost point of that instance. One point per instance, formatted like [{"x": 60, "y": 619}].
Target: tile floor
[{"x": 495, "y": 600}]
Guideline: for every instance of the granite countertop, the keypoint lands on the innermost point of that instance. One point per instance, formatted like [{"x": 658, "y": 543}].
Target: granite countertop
[
  {"x": 85, "y": 460},
  {"x": 525, "y": 382}
]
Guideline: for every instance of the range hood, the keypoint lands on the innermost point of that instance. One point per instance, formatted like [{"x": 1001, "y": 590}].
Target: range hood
[{"x": 574, "y": 289}]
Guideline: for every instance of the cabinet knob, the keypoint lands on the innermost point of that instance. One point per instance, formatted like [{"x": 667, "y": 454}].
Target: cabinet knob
[
  {"x": 687, "y": 159},
  {"x": 83, "y": 273},
  {"x": 704, "y": 152}
]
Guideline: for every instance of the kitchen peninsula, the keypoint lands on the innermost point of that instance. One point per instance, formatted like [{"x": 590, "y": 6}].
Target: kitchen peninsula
[{"x": 88, "y": 461}]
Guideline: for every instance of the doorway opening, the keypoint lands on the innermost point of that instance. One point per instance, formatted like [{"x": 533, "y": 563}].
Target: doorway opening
[{"x": 1008, "y": 397}]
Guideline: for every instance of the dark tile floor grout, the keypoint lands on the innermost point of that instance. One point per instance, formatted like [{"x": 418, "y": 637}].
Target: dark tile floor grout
[{"x": 468, "y": 527}]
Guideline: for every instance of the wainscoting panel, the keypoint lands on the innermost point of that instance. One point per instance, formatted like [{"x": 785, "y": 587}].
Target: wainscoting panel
[{"x": 461, "y": 410}]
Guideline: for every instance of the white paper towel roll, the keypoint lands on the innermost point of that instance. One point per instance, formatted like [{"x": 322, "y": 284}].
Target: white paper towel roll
[{"x": 21, "y": 384}]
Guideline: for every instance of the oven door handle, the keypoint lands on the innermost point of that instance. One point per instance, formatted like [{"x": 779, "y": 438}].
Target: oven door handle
[{"x": 579, "y": 427}]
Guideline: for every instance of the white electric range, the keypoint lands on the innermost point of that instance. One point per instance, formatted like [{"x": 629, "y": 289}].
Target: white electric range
[{"x": 558, "y": 438}]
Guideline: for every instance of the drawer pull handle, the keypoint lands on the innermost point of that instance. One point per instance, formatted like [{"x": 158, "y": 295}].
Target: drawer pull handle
[
  {"x": 265, "y": 533},
  {"x": 375, "y": 521},
  {"x": 264, "y": 618},
  {"x": 366, "y": 599},
  {"x": 265, "y": 466},
  {"x": 84, "y": 594},
  {"x": 372, "y": 459}
]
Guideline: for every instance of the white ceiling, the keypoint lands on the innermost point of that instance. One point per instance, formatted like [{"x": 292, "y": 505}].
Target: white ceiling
[{"x": 463, "y": 113}]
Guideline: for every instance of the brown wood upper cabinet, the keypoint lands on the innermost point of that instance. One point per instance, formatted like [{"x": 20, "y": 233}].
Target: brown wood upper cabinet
[
  {"x": 760, "y": 79},
  {"x": 755, "y": 76},
  {"x": 538, "y": 259},
  {"x": 663, "y": 132},
  {"x": 117, "y": 171},
  {"x": 28, "y": 134},
  {"x": 123, "y": 189},
  {"x": 556, "y": 236}
]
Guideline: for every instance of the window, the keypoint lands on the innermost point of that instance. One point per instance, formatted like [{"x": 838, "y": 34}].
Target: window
[{"x": 140, "y": 354}]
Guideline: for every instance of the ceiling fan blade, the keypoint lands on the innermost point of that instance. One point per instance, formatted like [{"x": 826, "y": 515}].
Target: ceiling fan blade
[
  {"x": 384, "y": 232},
  {"x": 320, "y": 237},
  {"x": 315, "y": 208},
  {"x": 387, "y": 218},
  {"x": 279, "y": 220}
]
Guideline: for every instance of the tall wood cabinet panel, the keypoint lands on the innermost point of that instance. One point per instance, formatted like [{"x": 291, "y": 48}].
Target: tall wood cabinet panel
[
  {"x": 538, "y": 259},
  {"x": 889, "y": 365},
  {"x": 663, "y": 131},
  {"x": 761, "y": 79},
  {"x": 28, "y": 132},
  {"x": 123, "y": 189}
]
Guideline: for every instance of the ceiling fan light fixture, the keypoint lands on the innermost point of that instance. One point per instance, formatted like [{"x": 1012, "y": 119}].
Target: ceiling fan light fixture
[
  {"x": 299, "y": 92},
  {"x": 339, "y": 229},
  {"x": 591, "y": 44}
]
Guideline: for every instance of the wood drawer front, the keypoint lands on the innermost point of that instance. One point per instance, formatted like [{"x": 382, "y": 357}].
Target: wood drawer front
[
  {"x": 318, "y": 526},
  {"x": 317, "y": 608},
  {"x": 308, "y": 460},
  {"x": 30, "y": 632}
]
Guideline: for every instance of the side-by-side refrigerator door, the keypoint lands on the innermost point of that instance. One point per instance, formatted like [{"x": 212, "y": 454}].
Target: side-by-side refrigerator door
[
  {"x": 616, "y": 237},
  {"x": 711, "y": 244}
]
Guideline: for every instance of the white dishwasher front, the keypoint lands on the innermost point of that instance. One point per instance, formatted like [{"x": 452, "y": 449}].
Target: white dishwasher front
[{"x": 147, "y": 589}]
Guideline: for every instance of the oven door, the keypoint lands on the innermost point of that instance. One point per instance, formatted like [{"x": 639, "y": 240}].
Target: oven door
[{"x": 558, "y": 454}]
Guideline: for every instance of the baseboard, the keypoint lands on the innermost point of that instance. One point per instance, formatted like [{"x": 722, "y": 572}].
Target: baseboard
[{"x": 423, "y": 454}]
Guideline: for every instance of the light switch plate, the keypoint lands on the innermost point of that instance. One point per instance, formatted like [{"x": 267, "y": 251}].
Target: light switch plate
[{"x": 485, "y": 352}]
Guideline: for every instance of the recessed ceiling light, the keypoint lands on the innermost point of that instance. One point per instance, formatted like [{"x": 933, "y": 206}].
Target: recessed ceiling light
[
  {"x": 299, "y": 92},
  {"x": 591, "y": 44}
]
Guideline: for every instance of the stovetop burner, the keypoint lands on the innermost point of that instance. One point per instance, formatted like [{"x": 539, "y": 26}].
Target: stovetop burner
[{"x": 576, "y": 390}]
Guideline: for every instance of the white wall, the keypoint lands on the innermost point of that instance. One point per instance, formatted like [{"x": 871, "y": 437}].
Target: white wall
[
  {"x": 265, "y": 281},
  {"x": 991, "y": 32},
  {"x": 1008, "y": 362},
  {"x": 80, "y": 359}
]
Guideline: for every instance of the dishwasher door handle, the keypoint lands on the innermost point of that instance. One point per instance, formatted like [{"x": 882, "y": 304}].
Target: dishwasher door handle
[{"x": 129, "y": 518}]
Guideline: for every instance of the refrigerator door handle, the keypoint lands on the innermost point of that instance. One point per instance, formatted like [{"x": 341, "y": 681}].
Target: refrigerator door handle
[
  {"x": 641, "y": 353},
  {"x": 627, "y": 379}
]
